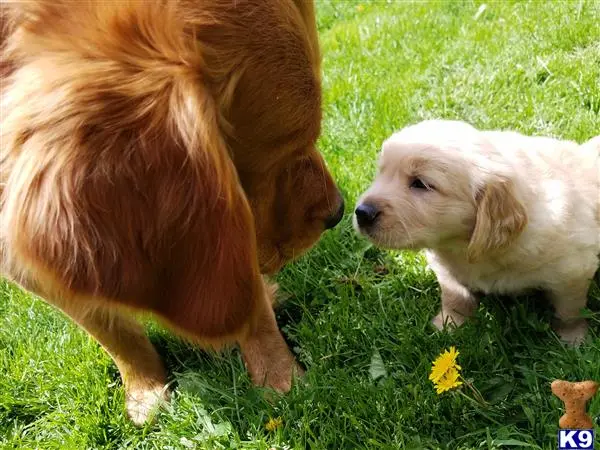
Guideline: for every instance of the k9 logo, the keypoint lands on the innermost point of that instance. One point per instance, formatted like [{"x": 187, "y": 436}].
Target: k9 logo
[{"x": 575, "y": 439}]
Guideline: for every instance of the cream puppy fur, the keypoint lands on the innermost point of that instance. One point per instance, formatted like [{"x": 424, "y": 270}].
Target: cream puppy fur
[{"x": 497, "y": 212}]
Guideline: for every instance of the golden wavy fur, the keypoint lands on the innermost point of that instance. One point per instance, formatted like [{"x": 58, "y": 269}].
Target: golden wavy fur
[{"x": 160, "y": 156}]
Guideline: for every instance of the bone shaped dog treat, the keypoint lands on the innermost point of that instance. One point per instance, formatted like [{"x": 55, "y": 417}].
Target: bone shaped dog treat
[{"x": 575, "y": 397}]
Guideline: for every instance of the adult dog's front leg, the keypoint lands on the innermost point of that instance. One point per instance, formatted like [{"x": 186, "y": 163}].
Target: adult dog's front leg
[
  {"x": 265, "y": 352},
  {"x": 124, "y": 339}
]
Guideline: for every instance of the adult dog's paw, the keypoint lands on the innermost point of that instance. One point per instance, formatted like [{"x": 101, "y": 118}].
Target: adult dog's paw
[{"x": 143, "y": 402}]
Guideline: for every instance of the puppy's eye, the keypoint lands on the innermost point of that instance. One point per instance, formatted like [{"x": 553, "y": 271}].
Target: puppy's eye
[{"x": 417, "y": 183}]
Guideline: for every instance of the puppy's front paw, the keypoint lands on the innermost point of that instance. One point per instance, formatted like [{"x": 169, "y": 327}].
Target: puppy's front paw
[
  {"x": 448, "y": 321},
  {"x": 572, "y": 332},
  {"x": 142, "y": 402}
]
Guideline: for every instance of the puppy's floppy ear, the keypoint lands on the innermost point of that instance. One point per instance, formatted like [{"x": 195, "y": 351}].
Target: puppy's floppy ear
[{"x": 501, "y": 217}]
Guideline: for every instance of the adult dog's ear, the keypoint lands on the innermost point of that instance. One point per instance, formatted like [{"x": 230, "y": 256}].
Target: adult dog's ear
[
  {"x": 501, "y": 217},
  {"x": 215, "y": 284}
]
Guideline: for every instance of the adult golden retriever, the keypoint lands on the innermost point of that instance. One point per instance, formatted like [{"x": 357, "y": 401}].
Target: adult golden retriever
[{"x": 160, "y": 156}]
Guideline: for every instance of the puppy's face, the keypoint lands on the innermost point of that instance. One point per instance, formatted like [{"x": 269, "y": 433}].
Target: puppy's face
[{"x": 422, "y": 197}]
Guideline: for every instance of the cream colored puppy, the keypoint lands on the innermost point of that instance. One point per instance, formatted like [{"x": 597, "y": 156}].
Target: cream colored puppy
[{"x": 498, "y": 212}]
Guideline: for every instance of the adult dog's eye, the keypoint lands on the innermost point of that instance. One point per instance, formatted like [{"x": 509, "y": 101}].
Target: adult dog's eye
[{"x": 417, "y": 183}]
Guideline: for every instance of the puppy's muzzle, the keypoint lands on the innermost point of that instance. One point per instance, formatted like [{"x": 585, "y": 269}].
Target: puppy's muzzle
[{"x": 366, "y": 215}]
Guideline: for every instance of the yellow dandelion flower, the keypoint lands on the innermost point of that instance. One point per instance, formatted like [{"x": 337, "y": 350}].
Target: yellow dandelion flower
[
  {"x": 443, "y": 364},
  {"x": 450, "y": 380},
  {"x": 273, "y": 424},
  {"x": 360, "y": 8}
]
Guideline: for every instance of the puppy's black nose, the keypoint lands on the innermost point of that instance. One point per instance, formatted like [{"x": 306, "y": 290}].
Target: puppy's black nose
[
  {"x": 366, "y": 214},
  {"x": 337, "y": 217}
]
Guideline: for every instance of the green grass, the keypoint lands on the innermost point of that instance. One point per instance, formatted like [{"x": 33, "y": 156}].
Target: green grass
[{"x": 530, "y": 66}]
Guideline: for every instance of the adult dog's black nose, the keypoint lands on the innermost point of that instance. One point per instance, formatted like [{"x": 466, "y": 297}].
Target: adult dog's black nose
[
  {"x": 366, "y": 214},
  {"x": 333, "y": 220}
]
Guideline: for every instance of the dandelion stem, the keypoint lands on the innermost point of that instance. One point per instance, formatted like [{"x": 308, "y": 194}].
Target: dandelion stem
[
  {"x": 476, "y": 393},
  {"x": 479, "y": 404}
]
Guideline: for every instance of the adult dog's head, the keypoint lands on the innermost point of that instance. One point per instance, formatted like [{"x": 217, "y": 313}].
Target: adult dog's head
[
  {"x": 266, "y": 79},
  {"x": 440, "y": 183}
]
